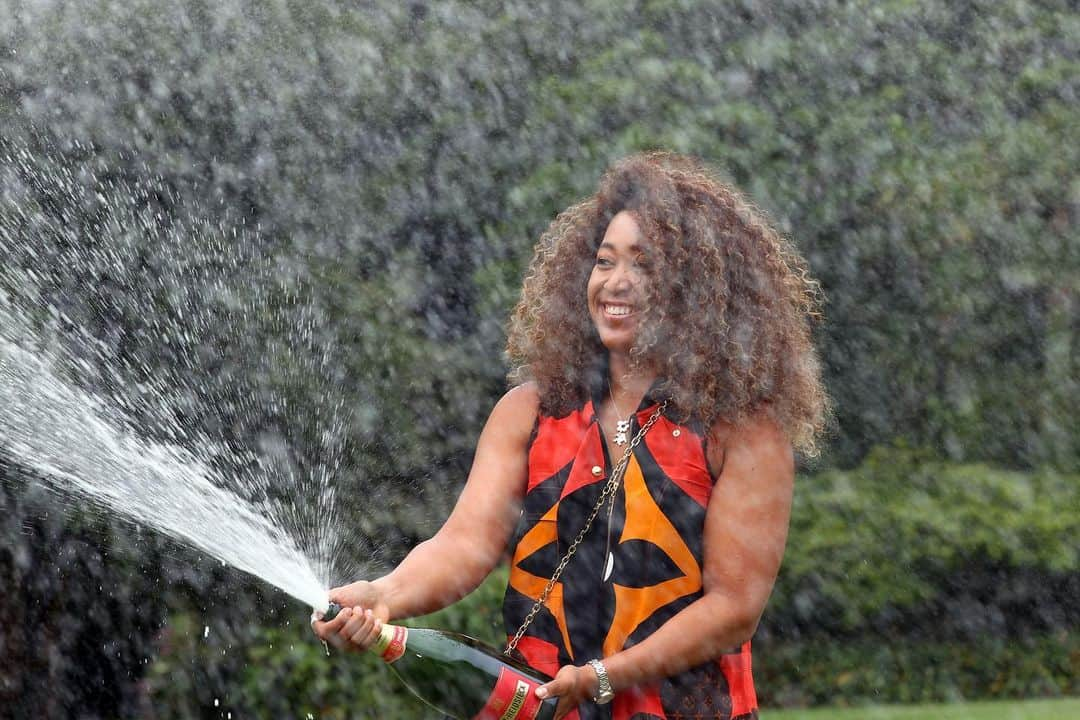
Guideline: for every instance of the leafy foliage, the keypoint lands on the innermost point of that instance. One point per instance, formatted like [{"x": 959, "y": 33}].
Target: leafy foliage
[
  {"x": 909, "y": 579},
  {"x": 869, "y": 671},
  {"x": 908, "y": 544}
]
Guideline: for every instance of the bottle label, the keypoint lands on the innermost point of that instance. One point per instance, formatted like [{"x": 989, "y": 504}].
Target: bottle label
[
  {"x": 391, "y": 642},
  {"x": 514, "y": 698}
]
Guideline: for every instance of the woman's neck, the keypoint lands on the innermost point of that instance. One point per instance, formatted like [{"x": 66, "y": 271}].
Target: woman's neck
[{"x": 628, "y": 386}]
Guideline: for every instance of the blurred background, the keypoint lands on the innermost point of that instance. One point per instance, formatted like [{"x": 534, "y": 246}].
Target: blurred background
[{"x": 377, "y": 173}]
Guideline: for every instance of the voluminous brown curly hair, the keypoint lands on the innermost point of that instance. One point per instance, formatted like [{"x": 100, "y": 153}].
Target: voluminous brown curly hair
[{"x": 728, "y": 302}]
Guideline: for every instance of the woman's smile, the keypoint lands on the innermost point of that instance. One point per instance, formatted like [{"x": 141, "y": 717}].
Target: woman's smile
[{"x": 615, "y": 310}]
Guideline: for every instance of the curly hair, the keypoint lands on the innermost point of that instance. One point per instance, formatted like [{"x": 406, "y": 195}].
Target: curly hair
[{"x": 728, "y": 302}]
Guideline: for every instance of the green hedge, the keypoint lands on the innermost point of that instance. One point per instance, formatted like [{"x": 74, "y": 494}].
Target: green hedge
[
  {"x": 872, "y": 670},
  {"x": 911, "y": 579},
  {"x": 906, "y": 542}
]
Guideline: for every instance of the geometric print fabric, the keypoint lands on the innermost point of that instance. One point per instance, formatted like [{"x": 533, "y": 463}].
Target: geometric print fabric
[{"x": 638, "y": 565}]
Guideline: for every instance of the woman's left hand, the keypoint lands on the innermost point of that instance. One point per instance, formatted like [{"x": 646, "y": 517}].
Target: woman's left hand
[{"x": 573, "y": 685}]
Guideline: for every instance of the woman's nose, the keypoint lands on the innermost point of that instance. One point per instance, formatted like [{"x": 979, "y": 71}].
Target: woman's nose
[{"x": 620, "y": 277}]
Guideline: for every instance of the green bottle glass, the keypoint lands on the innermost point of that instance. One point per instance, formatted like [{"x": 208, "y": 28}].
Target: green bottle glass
[{"x": 460, "y": 676}]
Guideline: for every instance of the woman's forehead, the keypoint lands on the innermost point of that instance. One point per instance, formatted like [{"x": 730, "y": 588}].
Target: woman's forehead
[{"x": 624, "y": 233}]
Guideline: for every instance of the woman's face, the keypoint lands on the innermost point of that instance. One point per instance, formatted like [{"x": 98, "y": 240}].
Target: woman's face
[{"x": 617, "y": 285}]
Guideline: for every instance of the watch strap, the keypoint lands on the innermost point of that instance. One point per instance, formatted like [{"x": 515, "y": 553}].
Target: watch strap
[{"x": 604, "y": 693}]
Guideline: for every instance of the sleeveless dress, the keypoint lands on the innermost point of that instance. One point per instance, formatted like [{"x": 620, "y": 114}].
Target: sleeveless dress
[{"x": 654, "y": 538}]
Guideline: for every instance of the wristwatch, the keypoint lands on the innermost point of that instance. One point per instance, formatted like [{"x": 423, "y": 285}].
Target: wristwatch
[{"x": 604, "y": 693}]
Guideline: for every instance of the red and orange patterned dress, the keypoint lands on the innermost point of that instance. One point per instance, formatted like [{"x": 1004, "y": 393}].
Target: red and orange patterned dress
[{"x": 654, "y": 538}]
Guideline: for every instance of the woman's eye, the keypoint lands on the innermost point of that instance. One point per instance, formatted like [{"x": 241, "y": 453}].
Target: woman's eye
[{"x": 603, "y": 262}]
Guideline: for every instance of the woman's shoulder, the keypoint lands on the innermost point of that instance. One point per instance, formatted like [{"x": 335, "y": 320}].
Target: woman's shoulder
[
  {"x": 757, "y": 426},
  {"x": 519, "y": 407},
  {"x": 759, "y": 432},
  {"x": 526, "y": 394}
]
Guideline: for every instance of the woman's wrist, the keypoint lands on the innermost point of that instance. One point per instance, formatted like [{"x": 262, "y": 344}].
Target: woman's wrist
[
  {"x": 387, "y": 592},
  {"x": 616, "y": 673}
]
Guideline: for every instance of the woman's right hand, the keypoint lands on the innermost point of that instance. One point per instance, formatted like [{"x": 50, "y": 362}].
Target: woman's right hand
[{"x": 357, "y": 626}]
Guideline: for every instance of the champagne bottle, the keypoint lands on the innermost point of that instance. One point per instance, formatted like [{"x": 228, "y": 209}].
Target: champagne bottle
[{"x": 460, "y": 676}]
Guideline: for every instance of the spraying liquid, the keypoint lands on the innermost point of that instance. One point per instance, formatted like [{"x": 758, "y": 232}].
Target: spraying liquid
[{"x": 81, "y": 444}]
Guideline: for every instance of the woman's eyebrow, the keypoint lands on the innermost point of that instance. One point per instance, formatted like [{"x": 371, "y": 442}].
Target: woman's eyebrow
[{"x": 636, "y": 248}]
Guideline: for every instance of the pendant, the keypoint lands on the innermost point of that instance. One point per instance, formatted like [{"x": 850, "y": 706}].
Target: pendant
[
  {"x": 622, "y": 427},
  {"x": 608, "y": 566}
]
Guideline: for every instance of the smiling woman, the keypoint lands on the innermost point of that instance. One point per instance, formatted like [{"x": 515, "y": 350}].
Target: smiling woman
[
  {"x": 639, "y": 474},
  {"x": 725, "y": 308}
]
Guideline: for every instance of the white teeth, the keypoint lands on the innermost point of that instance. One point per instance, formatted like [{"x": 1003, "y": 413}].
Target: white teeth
[{"x": 617, "y": 310}]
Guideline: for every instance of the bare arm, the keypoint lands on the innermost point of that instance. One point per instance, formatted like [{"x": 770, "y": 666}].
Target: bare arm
[
  {"x": 451, "y": 564},
  {"x": 745, "y": 532}
]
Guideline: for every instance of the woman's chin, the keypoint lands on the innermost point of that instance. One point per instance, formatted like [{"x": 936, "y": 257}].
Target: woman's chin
[{"x": 617, "y": 343}]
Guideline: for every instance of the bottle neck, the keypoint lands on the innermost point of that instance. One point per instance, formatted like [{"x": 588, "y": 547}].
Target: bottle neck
[{"x": 391, "y": 643}]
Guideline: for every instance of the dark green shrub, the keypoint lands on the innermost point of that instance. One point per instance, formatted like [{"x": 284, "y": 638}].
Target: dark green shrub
[
  {"x": 894, "y": 543},
  {"x": 874, "y": 670},
  {"x": 911, "y": 579}
]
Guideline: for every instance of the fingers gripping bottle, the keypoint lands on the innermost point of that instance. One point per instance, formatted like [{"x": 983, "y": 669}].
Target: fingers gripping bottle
[{"x": 459, "y": 676}]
